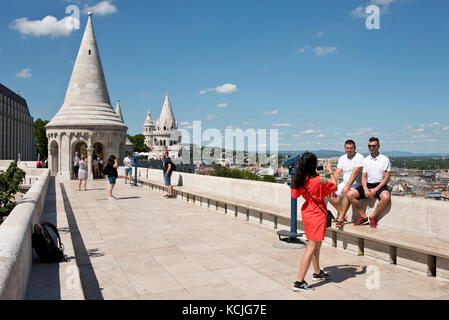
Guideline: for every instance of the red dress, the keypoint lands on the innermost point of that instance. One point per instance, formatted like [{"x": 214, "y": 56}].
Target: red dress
[{"x": 313, "y": 218}]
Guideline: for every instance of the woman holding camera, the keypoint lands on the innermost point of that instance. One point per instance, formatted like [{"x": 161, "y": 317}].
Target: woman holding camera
[
  {"x": 111, "y": 171},
  {"x": 314, "y": 189}
]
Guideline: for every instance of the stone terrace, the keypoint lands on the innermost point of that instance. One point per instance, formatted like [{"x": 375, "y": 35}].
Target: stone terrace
[{"x": 143, "y": 246}]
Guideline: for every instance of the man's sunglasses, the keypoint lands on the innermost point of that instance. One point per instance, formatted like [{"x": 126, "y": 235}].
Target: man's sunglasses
[{"x": 372, "y": 146}]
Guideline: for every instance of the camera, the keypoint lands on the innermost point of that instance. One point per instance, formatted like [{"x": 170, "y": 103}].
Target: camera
[{"x": 320, "y": 168}]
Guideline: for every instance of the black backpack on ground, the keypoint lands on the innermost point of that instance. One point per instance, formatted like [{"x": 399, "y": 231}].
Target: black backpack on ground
[{"x": 45, "y": 246}]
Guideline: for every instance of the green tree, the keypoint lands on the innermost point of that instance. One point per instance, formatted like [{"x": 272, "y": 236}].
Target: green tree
[
  {"x": 10, "y": 182},
  {"x": 139, "y": 143},
  {"x": 41, "y": 137}
]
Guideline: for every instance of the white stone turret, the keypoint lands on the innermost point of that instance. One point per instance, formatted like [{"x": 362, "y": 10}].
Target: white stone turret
[
  {"x": 87, "y": 99},
  {"x": 162, "y": 136},
  {"x": 166, "y": 120},
  {"x": 118, "y": 111},
  {"x": 148, "y": 129},
  {"x": 86, "y": 116}
]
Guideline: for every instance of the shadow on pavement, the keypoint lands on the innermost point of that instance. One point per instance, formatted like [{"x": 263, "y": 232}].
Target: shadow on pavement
[{"x": 341, "y": 273}]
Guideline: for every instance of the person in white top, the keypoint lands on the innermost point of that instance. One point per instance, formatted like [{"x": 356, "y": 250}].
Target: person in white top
[
  {"x": 350, "y": 165},
  {"x": 128, "y": 162},
  {"x": 375, "y": 177}
]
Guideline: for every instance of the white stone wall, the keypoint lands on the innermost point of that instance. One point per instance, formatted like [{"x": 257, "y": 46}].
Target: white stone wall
[
  {"x": 422, "y": 217},
  {"x": 15, "y": 240}
]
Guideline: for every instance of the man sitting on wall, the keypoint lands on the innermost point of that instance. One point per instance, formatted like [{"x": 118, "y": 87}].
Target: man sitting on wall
[
  {"x": 375, "y": 176},
  {"x": 351, "y": 165}
]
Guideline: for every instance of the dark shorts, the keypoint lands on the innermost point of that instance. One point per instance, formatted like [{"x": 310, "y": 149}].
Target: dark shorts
[
  {"x": 112, "y": 180},
  {"x": 167, "y": 179},
  {"x": 75, "y": 170},
  {"x": 371, "y": 186}
]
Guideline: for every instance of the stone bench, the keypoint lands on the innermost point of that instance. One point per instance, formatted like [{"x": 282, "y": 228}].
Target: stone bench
[{"x": 419, "y": 253}]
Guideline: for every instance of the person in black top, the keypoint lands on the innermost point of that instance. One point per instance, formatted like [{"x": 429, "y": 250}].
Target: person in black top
[
  {"x": 167, "y": 171},
  {"x": 111, "y": 171}
]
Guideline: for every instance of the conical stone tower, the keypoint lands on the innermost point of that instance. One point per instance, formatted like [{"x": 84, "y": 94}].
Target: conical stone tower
[
  {"x": 86, "y": 122},
  {"x": 163, "y": 135}
]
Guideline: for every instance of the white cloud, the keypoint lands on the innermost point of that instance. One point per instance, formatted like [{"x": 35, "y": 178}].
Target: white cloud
[
  {"x": 185, "y": 123},
  {"x": 102, "y": 8},
  {"x": 320, "y": 34},
  {"x": 320, "y": 136},
  {"x": 324, "y": 51},
  {"x": 282, "y": 125},
  {"x": 311, "y": 131},
  {"x": 222, "y": 105},
  {"x": 48, "y": 26},
  {"x": 24, "y": 73},
  {"x": 211, "y": 116},
  {"x": 384, "y": 5},
  {"x": 359, "y": 12},
  {"x": 272, "y": 113},
  {"x": 227, "y": 88},
  {"x": 247, "y": 123},
  {"x": 303, "y": 49}
]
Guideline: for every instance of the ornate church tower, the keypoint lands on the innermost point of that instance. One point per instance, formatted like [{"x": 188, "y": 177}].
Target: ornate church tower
[
  {"x": 86, "y": 122},
  {"x": 163, "y": 136},
  {"x": 148, "y": 129}
]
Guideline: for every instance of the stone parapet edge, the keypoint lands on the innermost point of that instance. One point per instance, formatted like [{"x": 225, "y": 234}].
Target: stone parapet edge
[
  {"x": 16, "y": 250},
  {"x": 334, "y": 237}
]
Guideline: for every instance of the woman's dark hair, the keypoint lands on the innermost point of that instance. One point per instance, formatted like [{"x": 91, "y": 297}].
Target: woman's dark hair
[
  {"x": 306, "y": 167},
  {"x": 111, "y": 160}
]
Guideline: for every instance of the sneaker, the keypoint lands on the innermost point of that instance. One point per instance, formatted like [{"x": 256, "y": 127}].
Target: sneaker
[
  {"x": 112, "y": 198},
  {"x": 360, "y": 221},
  {"x": 166, "y": 196},
  {"x": 322, "y": 276},
  {"x": 372, "y": 222},
  {"x": 302, "y": 286}
]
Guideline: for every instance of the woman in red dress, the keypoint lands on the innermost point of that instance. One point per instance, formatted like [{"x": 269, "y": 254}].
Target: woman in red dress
[{"x": 308, "y": 183}]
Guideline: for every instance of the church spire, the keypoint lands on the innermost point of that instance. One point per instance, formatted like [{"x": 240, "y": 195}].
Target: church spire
[
  {"x": 87, "y": 99},
  {"x": 167, "y": 112},
  {"x": 118, "y": 111}
]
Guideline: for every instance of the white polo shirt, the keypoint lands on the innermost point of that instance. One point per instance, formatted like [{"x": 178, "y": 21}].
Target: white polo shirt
[
  {"x": 348, "y": 165},
  {"x": 375, "y": 168}
]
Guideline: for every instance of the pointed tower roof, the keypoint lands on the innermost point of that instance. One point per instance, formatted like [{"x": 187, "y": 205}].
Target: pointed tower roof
[
  {"x": 167, "y": 112},
  {"x": 149, "y": 121},
  {"x": 87, "y": 100},
  {"x": 118, "y": 111}
]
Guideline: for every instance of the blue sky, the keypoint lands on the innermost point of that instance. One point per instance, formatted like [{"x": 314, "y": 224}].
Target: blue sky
[{"x": 308, "y": 68}]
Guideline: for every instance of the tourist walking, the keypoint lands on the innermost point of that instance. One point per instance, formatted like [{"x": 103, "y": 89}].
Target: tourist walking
[
  {"x": 128, "y": 162},
  {"x": 83, "y": 173},
  {"x": 76, "y": 165},
  {"x": 314, "y": 189},
  {"x": 111, "y": 171}
]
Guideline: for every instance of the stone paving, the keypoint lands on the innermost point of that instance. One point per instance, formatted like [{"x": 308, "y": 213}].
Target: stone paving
[{"x": 144, "y": 246}]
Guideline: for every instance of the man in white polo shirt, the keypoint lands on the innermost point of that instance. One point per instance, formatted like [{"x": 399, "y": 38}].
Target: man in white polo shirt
[
  {"x": 376, "y": 174},
  {"x": 351, "y": 165}
]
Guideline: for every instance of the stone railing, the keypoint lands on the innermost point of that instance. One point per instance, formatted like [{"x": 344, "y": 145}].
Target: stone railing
[
  {"x": 15, "y": 240},
  {"x": 412, "y": 232}
]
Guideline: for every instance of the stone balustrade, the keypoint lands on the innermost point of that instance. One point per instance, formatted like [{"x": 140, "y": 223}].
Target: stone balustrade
[
  {"x": 412, "y": 232},
  {"x": 15, "y": 240}
]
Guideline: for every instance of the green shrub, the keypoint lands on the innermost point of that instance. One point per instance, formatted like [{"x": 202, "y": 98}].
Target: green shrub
[{"x": 10, "y": 182}]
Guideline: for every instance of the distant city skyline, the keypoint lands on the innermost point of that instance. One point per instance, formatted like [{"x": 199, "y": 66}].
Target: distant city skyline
[{"x": 311, "y": 70}]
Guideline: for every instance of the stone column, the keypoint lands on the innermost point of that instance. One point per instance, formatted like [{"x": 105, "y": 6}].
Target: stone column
[
  {"x": 90, "y": 152},
  {"x": 59, "y": 154}
]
